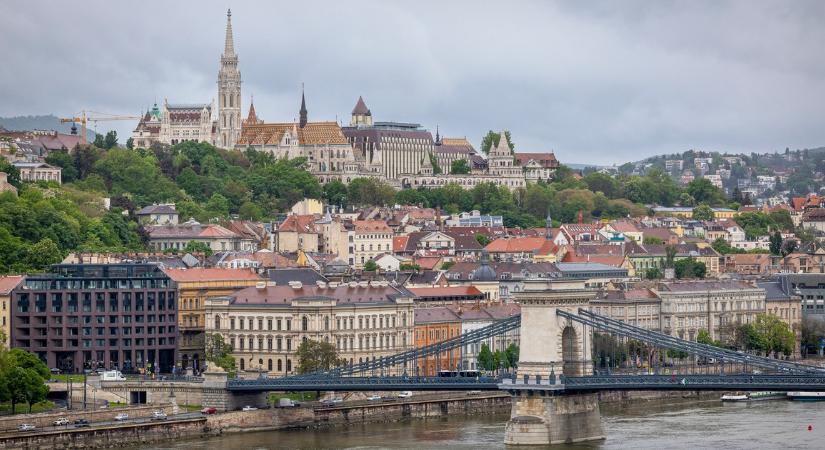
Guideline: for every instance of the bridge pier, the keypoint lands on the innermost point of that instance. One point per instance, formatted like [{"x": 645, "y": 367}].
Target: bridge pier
[{"x": 546, "y": 418}]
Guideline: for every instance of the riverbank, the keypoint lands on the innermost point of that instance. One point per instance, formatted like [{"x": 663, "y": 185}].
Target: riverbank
[{"x": 318, "y": 417}]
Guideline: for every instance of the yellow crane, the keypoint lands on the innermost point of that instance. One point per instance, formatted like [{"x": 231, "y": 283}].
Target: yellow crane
[{"x": 82, "y": 119}]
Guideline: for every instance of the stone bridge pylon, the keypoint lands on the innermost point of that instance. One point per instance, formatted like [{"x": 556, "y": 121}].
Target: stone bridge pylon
[{"x": 551, "y": 346}]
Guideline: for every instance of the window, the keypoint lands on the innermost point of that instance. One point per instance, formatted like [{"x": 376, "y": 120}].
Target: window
[
  {"x": 217, "y": 322},
  {"x": 305, "y": 323}
]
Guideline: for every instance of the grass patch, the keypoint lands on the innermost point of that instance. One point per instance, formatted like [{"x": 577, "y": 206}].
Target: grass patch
[
  {"x": 117, "y": 404},
  {"x": 191, "y": 408},
  {"x": 298, "y": 396},
  {"x": 23, "y": 408},
  {"x": 63, "y": 378}
]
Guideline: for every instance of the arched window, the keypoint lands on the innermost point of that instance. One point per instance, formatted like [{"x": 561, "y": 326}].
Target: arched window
[
  {"x": 242, "y": 363},
  {"x": 326, "y": 323},
  {"x": 217, "y": 322},
  {"x": 280, "y": 366},
  {"x": 260, "y": 362},
  {"x": 289, "y": 365},
  {"x": 305, "y": 323},
  {"x": 269, "y": 365}
]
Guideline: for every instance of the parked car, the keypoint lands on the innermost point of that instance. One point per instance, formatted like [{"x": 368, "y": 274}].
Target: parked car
[
  {"x": 121, "y": 417},
  {"x": 287, "y": 403},
  {"x": 158, "y": 415},
  {"x": 26, "y": 427},
  {"x": 61, "y": 422},
  {"x": 80, "y": 423},
  {"x": 405, "y": 394},
  {"x": 54, "y": 370},
  {"x": 249, "y": 408},
  {"x": 208, "y": 411},
  {"x": 332, "y": 401},
  {"x": 373, "y": 398}
]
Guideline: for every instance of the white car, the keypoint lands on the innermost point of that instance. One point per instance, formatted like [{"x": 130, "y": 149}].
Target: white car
[
  {"x": 373, "y": 398},
  {"x": 249, "y": 408},
  {"x": 26, "y": 427},
  {"x": 121, "y": 417},
  {"x": 405, "y": 394},
  {"x": 61, "y": 422},
  {"x": 158, "y": 415}
]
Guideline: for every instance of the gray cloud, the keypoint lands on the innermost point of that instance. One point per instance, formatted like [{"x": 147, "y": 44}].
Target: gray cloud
[{"x": 597, "y": 82}]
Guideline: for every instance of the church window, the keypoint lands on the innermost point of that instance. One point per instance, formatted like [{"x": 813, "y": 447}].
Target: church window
[{"x": 231, "y": 101}]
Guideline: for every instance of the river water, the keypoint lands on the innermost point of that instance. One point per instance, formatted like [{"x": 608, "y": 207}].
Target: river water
[{"x": 706, "y": 425}]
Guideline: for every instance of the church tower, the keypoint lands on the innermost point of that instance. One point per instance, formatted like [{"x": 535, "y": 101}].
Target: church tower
[{"x": 229, "y": 92}]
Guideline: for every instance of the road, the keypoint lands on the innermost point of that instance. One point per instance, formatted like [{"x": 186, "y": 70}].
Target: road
[{"x": 105, "y": 423}]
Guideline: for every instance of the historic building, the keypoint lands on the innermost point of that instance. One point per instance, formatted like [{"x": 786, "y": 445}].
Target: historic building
[
  {"x": 199, "y": 122},
  {"x": 265, "y": 324},
  {"x": 194, "y": 286}
]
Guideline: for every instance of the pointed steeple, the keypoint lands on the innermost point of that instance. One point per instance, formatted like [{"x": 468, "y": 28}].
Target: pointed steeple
[
  {"x": 252, "y": 118},
  {"x": 303, "y": 112},
  {"x": 229, "y": 45},
  {"x": 437, "y": 136}
]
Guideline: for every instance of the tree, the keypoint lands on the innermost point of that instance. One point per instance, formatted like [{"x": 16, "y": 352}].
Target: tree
[
  {"x": 653, "y": 273},
  {"x": 196, "y": 247},
  {"x": 43, "y": 254},
  {"x": 110, "y": 140},
  {"x": 335, "y": 193},
  {"x": 485, "y": 358},
  {"x": 459, "y": 167},
  {"x": 405, "y": 266},
  {"x": 690, "y": 268},
  {"x": 99, "y": 141},
  {"x": 776, "y": 243},
  {"x": 511, "y": 356},
  {"x": 370, "y": 192},
  {"x": 219, "y": 352},
  {"x": 703, "y": 191},
  {"x": 652, "y": 240},
  {"x": 703, "y": 212},
  {"x": 723, "y": 247},
  {"x": 482, "y": 239},
  {"x": 492, "y": 138},
  {"x": 773, "y": 335},
  {"x": 130, "y": 143},
  {"x": 250, "y": 211},
  {"x": 703, "y": 337},
  {"x": 370, "y": 266},
  {"x": 62, "y": 159},
  {"x": 788, "y": 247},
  {"x": 434, "y": 162},
  {"x": 22, "y": 378},
  {"x": 314, "y": 356},
  {"x": 670, "y": 256},
  {"x": 217, "y": 206}
]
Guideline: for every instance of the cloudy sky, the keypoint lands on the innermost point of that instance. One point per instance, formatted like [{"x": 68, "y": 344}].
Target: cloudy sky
[{"x": 597, "y": 82}]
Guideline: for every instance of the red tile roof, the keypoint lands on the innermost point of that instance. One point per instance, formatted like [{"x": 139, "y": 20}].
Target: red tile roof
[
  {"x": 298, "y": 224},
  {"x": 537, "y": 245},
  {"x": 445, "y": 291},
  {"x": 399, "y": 243},
  {"x": 371, "y": 226},
  {"x": 8, "y": 283}
]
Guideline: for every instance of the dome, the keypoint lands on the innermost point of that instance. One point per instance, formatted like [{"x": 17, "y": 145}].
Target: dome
[{"x": 484, "y": 271}]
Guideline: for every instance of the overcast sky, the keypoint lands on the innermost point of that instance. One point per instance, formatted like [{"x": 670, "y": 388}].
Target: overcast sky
[{"x": 596, "y": 82}]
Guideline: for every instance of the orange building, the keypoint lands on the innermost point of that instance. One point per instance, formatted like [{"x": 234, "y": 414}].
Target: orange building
[
  {"x": 194, "y": 286},
  {"x": 433, "y": 325}
]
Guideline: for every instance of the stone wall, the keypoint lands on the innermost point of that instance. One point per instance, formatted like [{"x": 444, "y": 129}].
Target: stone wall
[
  {"x": 261, "y": 419},
  {"x": 46, "y": 419}
]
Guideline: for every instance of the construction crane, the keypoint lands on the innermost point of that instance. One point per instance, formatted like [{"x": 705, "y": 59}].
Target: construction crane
[{"x": 82, "y": 118}]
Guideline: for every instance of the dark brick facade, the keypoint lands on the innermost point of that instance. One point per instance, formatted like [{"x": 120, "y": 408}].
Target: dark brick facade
[{"x": 113, "y": 316}]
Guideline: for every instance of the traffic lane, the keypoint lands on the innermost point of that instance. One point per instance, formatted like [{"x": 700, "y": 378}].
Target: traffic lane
[{"x": 108, "y": 423}]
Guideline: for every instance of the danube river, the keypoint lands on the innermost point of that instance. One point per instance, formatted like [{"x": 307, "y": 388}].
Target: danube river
[{"x": 707, "y": 425}]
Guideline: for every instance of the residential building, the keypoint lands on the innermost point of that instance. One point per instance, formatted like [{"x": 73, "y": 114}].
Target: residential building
[
  {"x": 38, "y": 171},
  {"x": 163, "y": 214},
  {"x": 716, "y": 306},
  {"x": 519, "y": 249},
  {"x": 640, "y": 307},
  {"x": 537, "y": 166},
  {"x": 434, "y": 325},
  {"x": 370, "y": 239},
  {"x": 474, "y": 317},
  {"x": 265, "y": 324},
  {"x": 296, "y": 233},
  {"x": 218, "y": 238},
  {"x": 784, "y": 304},
  {"x": 446, "y": 296},
  {"x": 7, "y": 284},
  {"x": 809, "y": 289},
  {"x": 88, "y": 316},
  {"x": 194, "y": 286}
]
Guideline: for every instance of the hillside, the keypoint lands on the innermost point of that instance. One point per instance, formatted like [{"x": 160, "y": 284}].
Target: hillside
[{"x": 49, "y": 122}]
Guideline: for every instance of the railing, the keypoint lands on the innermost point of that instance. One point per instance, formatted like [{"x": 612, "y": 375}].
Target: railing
[
  {"x": 327, "y": 383},
  {"x": 697, "y": 382},
  {"x": 666, "y": 341}
]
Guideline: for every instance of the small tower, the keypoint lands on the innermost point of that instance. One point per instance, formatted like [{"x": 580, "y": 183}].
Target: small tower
[
  {"x": 437, "y": 136},
  {"x": 361, "y": 115},
  {"x": 229, "y": 92},
  {"x": 548, "y": 225},
  {"x": 303, "y": 113}
]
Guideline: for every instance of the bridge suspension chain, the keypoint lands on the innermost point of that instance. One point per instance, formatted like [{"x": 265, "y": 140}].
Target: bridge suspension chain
[{"x": 664, "y": 340}]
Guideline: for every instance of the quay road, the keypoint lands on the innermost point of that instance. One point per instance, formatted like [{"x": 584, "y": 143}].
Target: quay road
[{"x": 103, "y": 423}]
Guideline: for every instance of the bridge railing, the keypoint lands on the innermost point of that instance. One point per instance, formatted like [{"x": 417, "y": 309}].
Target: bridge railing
[
  {"x": 404, "y": 359},
  {"x": 666, "y": 341}
]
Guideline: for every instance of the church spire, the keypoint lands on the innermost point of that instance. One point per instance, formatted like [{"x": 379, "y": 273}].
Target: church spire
[
  {"x": 303, "y": 112},
  {"x": 229, "y": 45}
]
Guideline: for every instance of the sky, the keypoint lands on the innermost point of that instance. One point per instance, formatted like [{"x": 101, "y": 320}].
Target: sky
[{"x": 597, "y": 82}]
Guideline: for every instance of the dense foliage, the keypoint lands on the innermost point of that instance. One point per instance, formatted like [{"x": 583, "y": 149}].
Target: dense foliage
[{"x": 22, "y": 377}]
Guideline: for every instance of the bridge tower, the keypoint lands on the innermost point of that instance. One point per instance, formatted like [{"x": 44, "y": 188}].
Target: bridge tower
[{"x": 551, "y": 346}]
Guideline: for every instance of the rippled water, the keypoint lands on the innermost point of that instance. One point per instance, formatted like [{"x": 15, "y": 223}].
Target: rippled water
[{"x": 708, "y": 425}]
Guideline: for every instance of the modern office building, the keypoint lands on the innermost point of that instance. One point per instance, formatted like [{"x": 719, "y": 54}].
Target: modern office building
[{"x": 85, "y": 316}]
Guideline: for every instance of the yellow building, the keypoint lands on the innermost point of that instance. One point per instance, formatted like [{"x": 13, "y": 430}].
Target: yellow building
[
  {"x": 194, "y": 286},
  {"x": 7, "y": 284}
]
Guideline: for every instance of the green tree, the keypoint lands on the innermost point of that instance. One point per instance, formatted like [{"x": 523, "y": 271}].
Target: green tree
[
  {"x": 776, "y": 243},
  {"x": 459, "y": 167},
  {"x": 653, "y": 273},
  {"x": 335, "y": 193},
  {"x": 314, "y": 356},
  {"x": 22, "y": 378},
  {"x": 217, "y": 206},
  {"x": 43, "y": 254},
  {"x": 62, "y": 159},
  {"x": 370, "y": 266},
  {"x": 130, "y": 143},
  {"x": 492, "y": 138},
  {"x": 703, "y": 337},
  {"x": 703, "y": 212},
  {"x": 690, "y": 268},
  {"x": 652, "y": 240},
  {"x": 485, "y": 358},
  {"x": 250, "y": 211},
  {"x": 110, "y": 140},
  {"x": 723, "y": 247},
  {"x": 219, "y": 352},
  {"x": 789, "y": 246},
  {"x": 370, "y": 192},
  {"x": 482, "y": 240},
  {"x": 703, "y": 191},
  {"x": 12, "y": 172},
  {"x": 773, "y": 335},
  {"x": 670, "y": 256},
  {"x": 409, "y": 267},
  {"x": 85, "y": 157},
  {"x": 99, "y": 141},
  {"x": 434, "y": 162},
  {"x": 511, "y": 356},
  {"x": 196, "y": 247}
]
